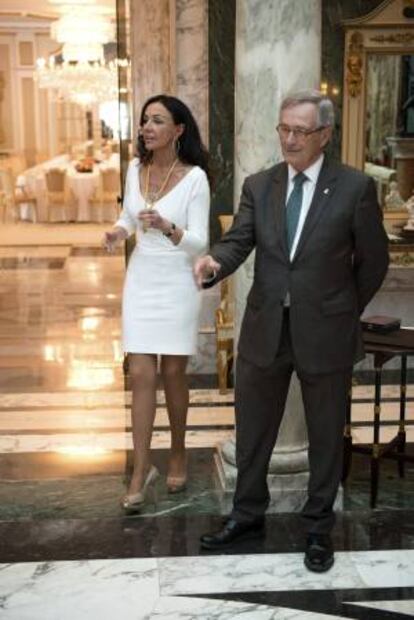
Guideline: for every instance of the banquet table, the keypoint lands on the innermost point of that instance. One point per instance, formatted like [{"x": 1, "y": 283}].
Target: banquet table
[{"x": 82, "y": 186}]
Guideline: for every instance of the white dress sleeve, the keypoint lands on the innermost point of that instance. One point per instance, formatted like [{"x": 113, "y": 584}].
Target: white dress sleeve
[
  {"x": 195, "y": 236},
  {"x": 126, "y": 219}
]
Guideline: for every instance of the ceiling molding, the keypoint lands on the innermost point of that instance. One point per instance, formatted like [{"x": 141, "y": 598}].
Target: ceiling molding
[{"x": 28, "y": 15}]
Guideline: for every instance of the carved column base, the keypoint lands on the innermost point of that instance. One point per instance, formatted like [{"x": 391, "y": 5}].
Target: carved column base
[
  {"x": 288, "y": 492},
  {"x": 289, "y": 467},
  {"x": 285, "y": 459}
]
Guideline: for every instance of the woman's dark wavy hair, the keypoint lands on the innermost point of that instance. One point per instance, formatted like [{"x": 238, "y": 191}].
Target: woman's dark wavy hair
[{"x": 192, "y": 151}]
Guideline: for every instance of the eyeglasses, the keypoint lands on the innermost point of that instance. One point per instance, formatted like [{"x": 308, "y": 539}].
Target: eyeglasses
[{"x": 300, "y": 133}]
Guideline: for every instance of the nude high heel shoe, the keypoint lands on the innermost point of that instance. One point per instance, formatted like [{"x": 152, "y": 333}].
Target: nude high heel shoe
[
  {"x": 177, "y": 484},
  {"x": 135, "y": 501}
]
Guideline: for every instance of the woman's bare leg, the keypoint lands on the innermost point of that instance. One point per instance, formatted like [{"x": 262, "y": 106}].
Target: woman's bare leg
[
  {"x": 143, "y": 377},
  {"x": 177, "y": 397}
]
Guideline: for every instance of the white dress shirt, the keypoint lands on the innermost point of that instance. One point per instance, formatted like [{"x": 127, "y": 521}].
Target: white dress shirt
[{"x": 312, "y": 174}]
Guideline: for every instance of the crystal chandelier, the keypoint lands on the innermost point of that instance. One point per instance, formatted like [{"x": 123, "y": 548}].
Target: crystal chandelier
[
  {"x": 82, "y": 76},
  {"x": 81, "y": 82}
]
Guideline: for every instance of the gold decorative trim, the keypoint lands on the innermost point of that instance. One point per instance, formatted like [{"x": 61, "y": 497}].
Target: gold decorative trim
[
  {"x": 402, "y": 259},
  {"x": 400, "y": 37},
  {"x": 355, "y": 62},
  {"x": 370, "y": 20}
]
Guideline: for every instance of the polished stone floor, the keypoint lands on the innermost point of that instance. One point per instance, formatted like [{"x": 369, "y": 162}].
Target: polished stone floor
[{"x": 66, "y": 549}]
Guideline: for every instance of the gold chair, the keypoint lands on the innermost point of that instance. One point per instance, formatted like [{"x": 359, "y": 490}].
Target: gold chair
[
  {"x": 107, "y": 192},
  {"x": 57, "y": 191},
  {"x": 225, "y": 323},
  {"x": 14, "y": 197},
  {"x": 115, "y": 146}
]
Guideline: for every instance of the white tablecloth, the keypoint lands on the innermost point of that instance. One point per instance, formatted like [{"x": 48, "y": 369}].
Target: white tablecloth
[{"x": 82, "y": 186}]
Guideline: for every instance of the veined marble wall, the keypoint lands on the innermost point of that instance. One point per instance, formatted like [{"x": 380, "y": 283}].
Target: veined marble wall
[
  {"x": 222, "y": 30},
  {"x": 277, "y": 51}
]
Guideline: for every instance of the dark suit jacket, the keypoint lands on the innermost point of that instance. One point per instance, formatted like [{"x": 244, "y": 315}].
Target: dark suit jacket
[{"x": 340, "y": 262}]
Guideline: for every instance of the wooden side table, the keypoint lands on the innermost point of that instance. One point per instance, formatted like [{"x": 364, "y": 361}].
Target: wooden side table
[{"x": 383, "y": 347}]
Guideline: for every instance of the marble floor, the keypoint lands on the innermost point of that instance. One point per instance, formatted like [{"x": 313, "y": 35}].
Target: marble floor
[{"x": 66, "y": 549}]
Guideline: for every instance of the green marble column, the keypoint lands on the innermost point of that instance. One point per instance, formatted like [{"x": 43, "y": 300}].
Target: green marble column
[{"x": 221, "y": 26}]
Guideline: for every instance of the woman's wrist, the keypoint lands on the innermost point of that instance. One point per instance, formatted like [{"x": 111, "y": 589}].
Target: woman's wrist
[
  {"x": 168, "y": 228},
  {"x": 165, "y": 226}
]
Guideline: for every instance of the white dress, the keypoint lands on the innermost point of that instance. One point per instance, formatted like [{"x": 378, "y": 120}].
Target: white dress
[{"x": 161, "y": 302}]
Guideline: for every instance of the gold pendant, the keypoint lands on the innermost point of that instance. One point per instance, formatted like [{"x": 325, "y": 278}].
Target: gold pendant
[
  {"x": 149, "y": 205},
  {"x": 150, "y": 202}
]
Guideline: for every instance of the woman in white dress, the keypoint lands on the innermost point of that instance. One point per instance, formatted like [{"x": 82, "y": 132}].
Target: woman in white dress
[{"x": 166, "y": 205}]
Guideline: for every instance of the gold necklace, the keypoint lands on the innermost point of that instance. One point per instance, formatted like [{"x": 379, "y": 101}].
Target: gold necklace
[
  {"x": 150, "y": 202},
  {"x": 156, "y": 195}
]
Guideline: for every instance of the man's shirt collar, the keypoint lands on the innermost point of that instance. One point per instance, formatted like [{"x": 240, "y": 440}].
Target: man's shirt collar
[{"x": 312, "y": 172}]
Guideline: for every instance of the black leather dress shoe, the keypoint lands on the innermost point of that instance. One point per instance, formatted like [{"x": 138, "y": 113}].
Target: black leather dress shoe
[
  {"x": 319, "y": 554},
  {"x": 233, "y": 531}
]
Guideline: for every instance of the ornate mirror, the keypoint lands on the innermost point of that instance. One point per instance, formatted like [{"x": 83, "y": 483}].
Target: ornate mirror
[{"x": 378, "y": 112}]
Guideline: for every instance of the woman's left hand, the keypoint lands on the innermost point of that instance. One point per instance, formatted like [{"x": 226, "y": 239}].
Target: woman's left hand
[{"x": 151, "y": 219}]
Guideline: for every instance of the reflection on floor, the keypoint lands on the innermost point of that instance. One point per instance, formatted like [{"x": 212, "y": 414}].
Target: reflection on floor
[{"x": 66, "y": 549}]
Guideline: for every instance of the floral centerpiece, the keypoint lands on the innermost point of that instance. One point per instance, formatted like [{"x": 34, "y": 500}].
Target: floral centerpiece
[{"x": 85, "y": 164}]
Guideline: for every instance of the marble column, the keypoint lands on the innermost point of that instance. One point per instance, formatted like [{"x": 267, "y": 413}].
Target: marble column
[
  {"x": 169, "y": 43},
  {"x": 221, "y": 56},
  {"x": 192, "y": 59},
  {"x": 153, "y": 38},
  {"x": 278, "y": 50}
]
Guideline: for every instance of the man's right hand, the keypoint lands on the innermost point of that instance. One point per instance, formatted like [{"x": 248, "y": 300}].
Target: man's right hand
[{"x": 205, "y": 268}]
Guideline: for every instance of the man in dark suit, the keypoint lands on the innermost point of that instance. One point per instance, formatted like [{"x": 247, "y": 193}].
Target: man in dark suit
[{"x": 321, "y": 254}]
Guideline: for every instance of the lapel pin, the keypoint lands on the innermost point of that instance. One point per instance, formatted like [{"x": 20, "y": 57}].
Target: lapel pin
[{"x": 326, "y": 191}]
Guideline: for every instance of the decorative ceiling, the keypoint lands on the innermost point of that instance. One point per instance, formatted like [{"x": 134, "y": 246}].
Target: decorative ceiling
[{"x": 49, "y": 8}]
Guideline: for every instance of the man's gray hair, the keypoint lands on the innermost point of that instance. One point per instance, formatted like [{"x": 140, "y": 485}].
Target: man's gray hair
[{"x": 325, "y": 107}]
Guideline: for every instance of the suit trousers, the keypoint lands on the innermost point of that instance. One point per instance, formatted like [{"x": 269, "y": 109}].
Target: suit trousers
[{"x": 260, "y": 399}]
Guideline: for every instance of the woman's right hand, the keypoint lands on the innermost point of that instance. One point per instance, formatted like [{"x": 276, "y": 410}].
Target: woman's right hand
[{"x": 110, "y": 240}]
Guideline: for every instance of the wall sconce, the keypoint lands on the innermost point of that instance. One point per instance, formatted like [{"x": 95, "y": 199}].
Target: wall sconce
[{"x": 330, "y": 90}]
